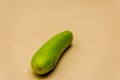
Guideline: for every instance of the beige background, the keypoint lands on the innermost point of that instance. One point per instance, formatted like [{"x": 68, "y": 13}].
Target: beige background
[{"x": 25, "y": 25}]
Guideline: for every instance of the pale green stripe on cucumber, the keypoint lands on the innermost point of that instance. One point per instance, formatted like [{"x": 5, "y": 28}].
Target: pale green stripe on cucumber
[{"x": 46, "y": 58}]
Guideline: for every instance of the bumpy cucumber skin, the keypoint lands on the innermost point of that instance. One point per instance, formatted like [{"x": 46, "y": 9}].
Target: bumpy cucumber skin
[{"x": 45, "y": 59}]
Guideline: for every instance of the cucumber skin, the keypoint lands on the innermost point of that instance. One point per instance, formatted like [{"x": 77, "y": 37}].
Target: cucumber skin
[{"x": 46, "y": 58}]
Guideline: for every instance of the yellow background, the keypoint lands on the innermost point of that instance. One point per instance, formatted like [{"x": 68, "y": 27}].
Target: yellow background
[{"x": 25, "y": 25}]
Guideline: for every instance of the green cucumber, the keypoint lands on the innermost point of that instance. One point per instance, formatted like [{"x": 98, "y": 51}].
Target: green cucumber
[{"x": 46, "y": 58}]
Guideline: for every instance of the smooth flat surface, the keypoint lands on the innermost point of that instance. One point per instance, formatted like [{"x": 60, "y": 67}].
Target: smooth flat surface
[{"x": 25, "y": 25}]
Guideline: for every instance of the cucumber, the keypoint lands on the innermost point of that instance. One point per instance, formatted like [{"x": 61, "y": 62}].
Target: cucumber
[{"x": 46, "y": 58}]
